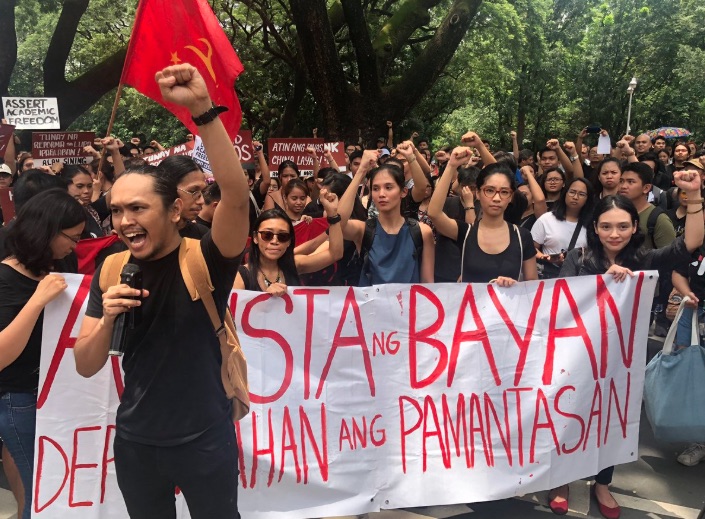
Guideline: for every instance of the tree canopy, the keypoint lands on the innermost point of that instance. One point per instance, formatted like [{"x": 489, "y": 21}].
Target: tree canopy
[{"x": 544, "y": 68}]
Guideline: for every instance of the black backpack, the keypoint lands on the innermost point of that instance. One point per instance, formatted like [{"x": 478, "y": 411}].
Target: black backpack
[{"x": 651, "y": 224}]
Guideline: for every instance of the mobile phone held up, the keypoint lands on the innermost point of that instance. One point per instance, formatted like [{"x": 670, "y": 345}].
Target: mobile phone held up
[{"x": 593, "y": 129}]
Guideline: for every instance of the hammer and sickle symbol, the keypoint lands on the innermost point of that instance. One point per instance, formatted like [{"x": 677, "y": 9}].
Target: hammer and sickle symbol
[{"x": 205, "y": 58}]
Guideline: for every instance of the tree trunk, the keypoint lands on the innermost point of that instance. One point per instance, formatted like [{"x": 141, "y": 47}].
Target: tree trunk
[
  {"x": 79, "y": 95},
  {"x": 8, "y": 44}
]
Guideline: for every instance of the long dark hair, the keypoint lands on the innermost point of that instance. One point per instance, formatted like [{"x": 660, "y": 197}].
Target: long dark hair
[
  {"x": 286, "y": 263},
  {"x": 585, "y": 216},
  {"x": 518, "y": 204},
  {"x": 632, "y": 255},
  {"x": 39, "y": 221}
]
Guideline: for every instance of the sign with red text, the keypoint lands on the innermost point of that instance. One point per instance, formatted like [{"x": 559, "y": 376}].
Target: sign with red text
[
  {"x": 6, "y": 133},
  {"x": 294, "y": 150},
  {"x": 155, "y": 159},
  {"x": 385, "y": 397},
  {"x": 65, "y": 147}
]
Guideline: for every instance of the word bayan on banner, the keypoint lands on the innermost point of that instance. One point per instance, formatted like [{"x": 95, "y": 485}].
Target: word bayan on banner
[{"x": 384, "y": 397}]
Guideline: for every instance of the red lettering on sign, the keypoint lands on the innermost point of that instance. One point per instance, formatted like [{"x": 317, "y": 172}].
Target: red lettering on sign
[
  {"x": 477, "y": 335},
  {"x": 542, "y": 405},
  {"x": 621, "y": 415},
  {"x": 43, "y": 440},
  {"x": 320, "y": 453},
  {"x": 344, "y": 342},
  {"x": 595, "y": 411},
  {"x": 477, "y": 426},
  {"x": 460, "y": 423},
  {"x": 257, "y": 452},
  {"x": 554, "y": 333},
  {"x": 65, "y": 340},
  {"x": 104, "y": 465},
  {"x": 310, "y": 294},
  {"x": 425, "y": 336},
  {"x": 504, "y": 434},
  {"x": 605, "y": 299},
  {"x": 261, "y": 333},
  {"x": 429, "y": 410},
  {"x": 403, "y": 427},
  {"x": 289, "y": 444},
  {"x": 522, "y": 342},
  {"x": 520, "y": 431},
  {"x": 76, "y": 466},
  {"x": 572, "y": 416}
]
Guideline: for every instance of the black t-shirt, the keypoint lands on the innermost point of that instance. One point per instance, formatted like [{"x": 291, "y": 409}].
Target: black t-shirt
[
  {"x": 694, "y": 272},
  {"x": 173, "y": 388},
  {"x": 447, "y": 264},
  {"x": 22, "y": 376},
  {"x": 200, "y": 221},
  {"x": 678, "y": 223},
  {"x": 193, "y": 230},
  {"x": 481, "y": 267}
]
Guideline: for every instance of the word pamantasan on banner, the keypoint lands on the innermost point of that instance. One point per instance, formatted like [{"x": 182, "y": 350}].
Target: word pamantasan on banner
[{"x": 384, "y": 397}]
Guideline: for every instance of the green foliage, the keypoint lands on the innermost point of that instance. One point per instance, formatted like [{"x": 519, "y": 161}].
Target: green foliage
[{"x": 544, "y": 67}]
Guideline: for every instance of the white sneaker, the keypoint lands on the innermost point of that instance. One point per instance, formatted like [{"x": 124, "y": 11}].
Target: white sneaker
[{"x": 693, "y": 455}]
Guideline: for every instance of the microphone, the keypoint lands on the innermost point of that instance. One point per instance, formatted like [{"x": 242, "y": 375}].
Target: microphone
[{"x": 131, "y": 276}]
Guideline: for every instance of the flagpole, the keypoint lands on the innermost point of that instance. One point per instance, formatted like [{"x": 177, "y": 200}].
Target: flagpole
[{"x": 118, "y": 94}]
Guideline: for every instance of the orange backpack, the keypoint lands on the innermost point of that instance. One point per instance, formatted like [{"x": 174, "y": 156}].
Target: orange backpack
[{"x": 195, "y": 273}]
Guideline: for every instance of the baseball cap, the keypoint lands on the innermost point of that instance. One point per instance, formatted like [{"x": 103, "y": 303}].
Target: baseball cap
[
  {"x": 381, "y": 139},
  {"x": 695, "y": 163},
  {"x": 384, "y": 152},
  {"x": 5, "y": 169}
]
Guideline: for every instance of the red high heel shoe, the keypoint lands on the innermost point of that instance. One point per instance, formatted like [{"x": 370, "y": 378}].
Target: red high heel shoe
[
  {"x": 559, "y": 507},
  {"x": 606, "y": 511}
]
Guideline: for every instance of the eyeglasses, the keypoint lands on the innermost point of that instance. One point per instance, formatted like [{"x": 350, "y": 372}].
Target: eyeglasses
[
  {"x": 574, "y": 193},
  {"x": 195, "y": 194},
  {"x": 554, "y": 180},
  {"x": 282, "y": 237},
  {"x": 490, "y": 192},
  {"x": 75, "y": 240}
]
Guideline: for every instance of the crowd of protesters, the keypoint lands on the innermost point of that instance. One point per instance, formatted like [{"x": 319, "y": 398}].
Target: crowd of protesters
[{"x": 394, "y": 213}]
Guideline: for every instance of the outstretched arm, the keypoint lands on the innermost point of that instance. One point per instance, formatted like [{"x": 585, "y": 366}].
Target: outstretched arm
[{"x": 183, "y": 85}]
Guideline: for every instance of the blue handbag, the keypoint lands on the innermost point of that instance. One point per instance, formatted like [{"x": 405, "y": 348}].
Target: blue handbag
[{"x": 674, "y": 387}]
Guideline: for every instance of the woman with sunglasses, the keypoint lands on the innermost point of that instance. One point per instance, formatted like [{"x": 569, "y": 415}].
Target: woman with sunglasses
[
  {"x": 272, "y": 265},
  {"x": 492, "y": 250},
  {"x": 45, "y": 230},
  {"x": 615, "y": 248},
  {"x": 563, "y": 228}
]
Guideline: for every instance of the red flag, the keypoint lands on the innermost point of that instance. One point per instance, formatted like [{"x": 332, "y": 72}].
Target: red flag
[{"x": 169, "y": 32}]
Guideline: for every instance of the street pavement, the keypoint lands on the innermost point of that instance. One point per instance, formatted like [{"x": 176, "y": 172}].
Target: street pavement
[{"x": 655, "y": 486}]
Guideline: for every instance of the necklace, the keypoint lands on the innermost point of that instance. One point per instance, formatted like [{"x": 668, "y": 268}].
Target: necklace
[{"x": 269, "y": 283}]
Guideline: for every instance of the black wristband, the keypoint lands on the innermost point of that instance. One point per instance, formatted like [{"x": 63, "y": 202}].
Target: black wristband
[
  {"x": 333, "y": 219},
  {"x": 210, "y": 115}
]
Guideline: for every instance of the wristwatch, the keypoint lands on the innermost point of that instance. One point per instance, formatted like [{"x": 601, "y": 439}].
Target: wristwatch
[{"x": 209, "y": 115}]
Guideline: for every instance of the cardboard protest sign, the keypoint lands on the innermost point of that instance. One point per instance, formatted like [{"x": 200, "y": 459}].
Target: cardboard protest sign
[
  {"x": 391, "y": 396},
  {"x": 6, "y": 133},
  {"x": 294, "y": 150},
  {"x": 245, "y": 149},
  {"x": 199, "y": 156},
  {"x": 337, "y": 149},
  {"x": 65, "y": 147},
  {"x": 7, "y": 204},
  {"x": 180, "y": 149},
  {"x": 32, "y": 113}
]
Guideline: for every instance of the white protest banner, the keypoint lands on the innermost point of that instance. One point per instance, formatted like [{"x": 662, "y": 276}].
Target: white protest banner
[
  {"x": 199, "y": 155},
  {"x": 155, "y": 159},
  {"x": 384, "y": 397},
  {"x": 32, "y": 113},
  {"x": 64, "y": 147}
]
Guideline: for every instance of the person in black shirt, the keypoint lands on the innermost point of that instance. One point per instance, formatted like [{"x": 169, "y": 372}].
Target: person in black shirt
[
  {"x": 190, "y": 183},
  {"x": 615, "y": 247},
  {"x": 46, "y": 229},
  {"x": 174, "y": 424}
]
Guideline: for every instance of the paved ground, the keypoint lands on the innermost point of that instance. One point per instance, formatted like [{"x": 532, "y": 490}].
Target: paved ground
[{"x": 655, "y": 486}]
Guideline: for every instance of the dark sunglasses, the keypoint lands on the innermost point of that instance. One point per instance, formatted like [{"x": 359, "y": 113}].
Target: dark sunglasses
[{"x": 282, "y": 237}]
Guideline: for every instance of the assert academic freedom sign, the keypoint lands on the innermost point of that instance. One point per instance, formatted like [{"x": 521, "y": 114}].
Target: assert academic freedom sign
[{"x": 384, "y": 397}]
